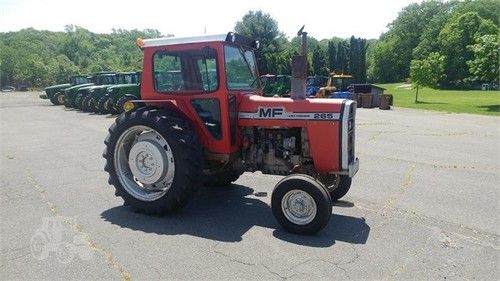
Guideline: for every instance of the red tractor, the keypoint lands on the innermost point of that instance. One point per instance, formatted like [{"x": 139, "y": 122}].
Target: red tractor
[{"x": 206, "y": 122}]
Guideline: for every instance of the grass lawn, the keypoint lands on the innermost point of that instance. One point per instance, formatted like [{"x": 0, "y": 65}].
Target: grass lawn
[{"x": 474, "y": 102}]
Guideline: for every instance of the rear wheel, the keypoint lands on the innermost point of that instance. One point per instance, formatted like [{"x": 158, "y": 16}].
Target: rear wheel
[
  {"x": 153, "y": 159},
  {"x": 301, "y": 204}
]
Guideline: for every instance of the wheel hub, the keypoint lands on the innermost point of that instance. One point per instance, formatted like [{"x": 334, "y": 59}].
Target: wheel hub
[
  {"x": 148, "y": 162},
  {"x": 298, "y": 207},
  {"x": 60, "y": 99}
]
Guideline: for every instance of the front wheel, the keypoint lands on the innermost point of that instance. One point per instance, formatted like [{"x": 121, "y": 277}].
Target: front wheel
[
  {"x": 86, "y": 105},
  {"x": 120, "y": 104},
  {"x": 78, "y": 100},
  {"x": 101, "y": 105},
  {"x": 153, "y": 159},
  {"x": 301, "y": 204},
  {"x": 59, "y": 98},
  {"x": 336, "y": 185}
]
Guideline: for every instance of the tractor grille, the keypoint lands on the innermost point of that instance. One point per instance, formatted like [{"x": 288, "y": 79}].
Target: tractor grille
[
  {"x": 347, "y": 138},
  {"x": 350, "y": 132}
]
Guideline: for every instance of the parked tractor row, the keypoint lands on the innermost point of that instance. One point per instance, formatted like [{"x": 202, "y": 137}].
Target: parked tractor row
[
  {"x": 103, "y": 92},
  {"x": 316, "y": 87}
]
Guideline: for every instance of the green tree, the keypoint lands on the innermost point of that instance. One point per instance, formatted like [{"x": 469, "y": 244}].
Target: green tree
[
  {"x": 332, "y": 53},
  {"x": 426, "y": 72},
  {"x": 342, "y": 57},
  {"x": 319, "y": 62},
  {"x": 485, "y": 65},
  {"x": 455, "y": 38},
  {"x": 261, "y": 26},
  {"x": 396, "y": 47}
]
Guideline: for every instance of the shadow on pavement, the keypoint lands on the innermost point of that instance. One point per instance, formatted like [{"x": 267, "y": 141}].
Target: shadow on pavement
[{"x": 226, "y": 214}]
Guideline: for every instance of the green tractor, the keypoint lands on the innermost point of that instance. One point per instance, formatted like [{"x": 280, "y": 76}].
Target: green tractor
[
  {"x": 75, "y": 98},
  {"x": 55, "y": 93},
  {"x": 87, "y": 98},
  {"x": 276, "y": 85},
  {"x": 69, "y": 93},
  {"x": 116, "y": 97}
]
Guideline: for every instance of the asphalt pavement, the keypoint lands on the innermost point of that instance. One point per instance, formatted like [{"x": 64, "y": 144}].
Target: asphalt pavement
[{"x": 424, "y": 205}]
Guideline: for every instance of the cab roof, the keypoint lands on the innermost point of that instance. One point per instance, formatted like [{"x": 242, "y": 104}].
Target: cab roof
[{"x": 228, "y": 37}]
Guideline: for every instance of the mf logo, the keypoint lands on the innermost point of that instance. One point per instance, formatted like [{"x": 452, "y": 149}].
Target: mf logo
[{"x": 271, "y": 112}]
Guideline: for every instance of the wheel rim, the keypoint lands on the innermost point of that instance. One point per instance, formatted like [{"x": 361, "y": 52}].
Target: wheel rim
[
  {"x": 144, "y": 163},
  {"x": 298, "y": 207},
  {"x": 127, "y": 106},
  {"x": 60, "y": 99}
]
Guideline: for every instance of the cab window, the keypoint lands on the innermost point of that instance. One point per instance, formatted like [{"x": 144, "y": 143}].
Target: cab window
[{"x": 186, "y": 71}]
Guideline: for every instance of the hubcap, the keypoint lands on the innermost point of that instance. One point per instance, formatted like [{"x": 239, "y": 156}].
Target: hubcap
[
  {"x": 144, "y": 163},
  {"x": 298, "y": 207},
  {"x": 148, "y": 162},
  {"x": 127, "y": 106}
]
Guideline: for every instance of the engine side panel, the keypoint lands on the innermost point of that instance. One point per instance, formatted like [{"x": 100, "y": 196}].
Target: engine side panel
[{"x": 320, "y": 117}]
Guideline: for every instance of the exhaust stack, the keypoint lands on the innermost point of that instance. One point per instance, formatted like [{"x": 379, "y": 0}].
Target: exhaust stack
[{"x": 299, "y": 70}]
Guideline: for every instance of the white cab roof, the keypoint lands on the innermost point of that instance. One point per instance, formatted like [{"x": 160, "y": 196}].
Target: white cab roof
[{"x": 183, "y": 40}]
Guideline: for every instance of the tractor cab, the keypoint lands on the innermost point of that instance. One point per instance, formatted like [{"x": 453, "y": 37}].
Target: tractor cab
[
  {"x": 337, "y": 86},
  {"x": 128, "y": 78},
  {"x": 78, "y": 79},
  {"x": 342, "y": 83}
]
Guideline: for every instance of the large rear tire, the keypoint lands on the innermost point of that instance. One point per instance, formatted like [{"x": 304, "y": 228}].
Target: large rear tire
[
  {"x": 301, "y": 204},
  {"x": 153, "y": 159}
]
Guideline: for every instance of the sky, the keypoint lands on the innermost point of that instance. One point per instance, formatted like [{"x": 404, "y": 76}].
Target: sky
[{"x": 323, "y": 19}]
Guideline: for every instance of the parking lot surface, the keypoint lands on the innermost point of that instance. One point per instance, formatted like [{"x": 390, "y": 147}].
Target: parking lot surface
[{"x": 424, "y": 205}]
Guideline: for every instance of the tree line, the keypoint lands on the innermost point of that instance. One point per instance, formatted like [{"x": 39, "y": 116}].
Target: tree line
[
  {"x": 324, "y": 56},
  {"x": 456, "y": 42},
  {"x": 41, "y": 58}
]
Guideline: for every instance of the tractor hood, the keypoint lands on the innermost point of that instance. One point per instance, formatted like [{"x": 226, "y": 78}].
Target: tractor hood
[
  {"x": 120, "y": 86},
  {"x": 259, "y": 107},
  {"x": 76, "y": 87},
  {"x": 58, "y": 86}
]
